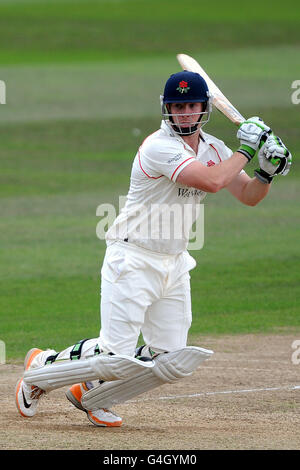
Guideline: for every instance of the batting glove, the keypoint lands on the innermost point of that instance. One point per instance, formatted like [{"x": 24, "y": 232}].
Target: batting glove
[
  {"x": 250, "y": 133},
  {"x": 274, "y": 159}
]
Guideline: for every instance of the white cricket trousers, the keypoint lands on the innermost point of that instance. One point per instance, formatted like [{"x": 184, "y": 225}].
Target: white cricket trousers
[{"x": 144, "y": 292}]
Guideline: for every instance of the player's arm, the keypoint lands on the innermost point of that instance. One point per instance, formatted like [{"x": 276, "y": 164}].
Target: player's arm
[
  {"x": 249, "y": 191},
  {"x": 212, "y": 179}
]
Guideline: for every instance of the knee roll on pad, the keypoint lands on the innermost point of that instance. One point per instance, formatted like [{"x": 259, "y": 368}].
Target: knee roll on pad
[
  {"x": 175, "y": 365},
  {"x": 168, "y": 368}
]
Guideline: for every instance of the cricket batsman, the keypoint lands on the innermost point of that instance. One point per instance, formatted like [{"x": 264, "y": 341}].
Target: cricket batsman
[{"x": 145, "y": 277}]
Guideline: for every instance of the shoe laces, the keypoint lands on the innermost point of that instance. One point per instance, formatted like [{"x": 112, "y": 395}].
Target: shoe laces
[
  {"x": 36, "y": 392},
  {"x": 109, "y": 411}
]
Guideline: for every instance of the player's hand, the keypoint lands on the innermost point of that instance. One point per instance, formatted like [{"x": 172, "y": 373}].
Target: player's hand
[
  {"x": 250, "y": 133},
  {"x": 274, "y": 159}
]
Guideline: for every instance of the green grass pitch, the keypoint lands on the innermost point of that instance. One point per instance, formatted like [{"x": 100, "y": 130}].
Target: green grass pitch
[{"x": 83, "y": 80}]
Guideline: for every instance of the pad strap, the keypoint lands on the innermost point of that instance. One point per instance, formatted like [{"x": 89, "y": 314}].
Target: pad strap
[
  {"x": 75, "y": 354},
  {"x": 97, "y": 350},
  {"x": 51, "y": 359}
]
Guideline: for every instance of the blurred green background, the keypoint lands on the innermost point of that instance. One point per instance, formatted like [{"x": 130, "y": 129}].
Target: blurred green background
[{"x": 83, "y": 80}]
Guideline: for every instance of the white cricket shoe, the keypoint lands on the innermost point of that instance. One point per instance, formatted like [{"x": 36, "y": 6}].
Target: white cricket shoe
[
  {"x": 101, "y": 417},
  {"x": 28, "y": 396}
]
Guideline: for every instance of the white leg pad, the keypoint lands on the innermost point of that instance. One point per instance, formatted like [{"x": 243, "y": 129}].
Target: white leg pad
[
  {"x": 101, "y": 367},
  {"x": 175, "y": 365},
  {"x": 168, "y": 368}
]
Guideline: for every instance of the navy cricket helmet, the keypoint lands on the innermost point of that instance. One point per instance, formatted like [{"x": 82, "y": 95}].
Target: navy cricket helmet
[{"x": 186, "y": 87}]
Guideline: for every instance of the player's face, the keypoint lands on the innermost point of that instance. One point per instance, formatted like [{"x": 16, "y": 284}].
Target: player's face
[{"x": 185, "y": 114}]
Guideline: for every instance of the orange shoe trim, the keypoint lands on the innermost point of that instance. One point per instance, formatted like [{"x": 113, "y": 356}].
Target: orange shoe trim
[
  {"x": 76, "y": 391},
  {"x": 32, "y": 356},
  {"x": 115, "y": 424},
  {"x": 17, "y": 402}
]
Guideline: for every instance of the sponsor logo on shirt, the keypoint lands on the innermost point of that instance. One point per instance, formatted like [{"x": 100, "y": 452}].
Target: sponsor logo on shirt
[
  {"x": 189, "y": 192},
  {"x": 175, "y": 158}
]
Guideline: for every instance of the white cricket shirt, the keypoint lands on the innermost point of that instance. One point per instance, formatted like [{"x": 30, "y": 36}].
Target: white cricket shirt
[{"x": 159, "y": 213}]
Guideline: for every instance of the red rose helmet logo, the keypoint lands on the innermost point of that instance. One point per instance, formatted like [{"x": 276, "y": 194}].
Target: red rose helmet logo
[{"x": 183, "y": 87}]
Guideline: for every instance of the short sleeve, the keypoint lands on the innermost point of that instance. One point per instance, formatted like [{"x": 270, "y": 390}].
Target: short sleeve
[{"x": 167, "y": 160}]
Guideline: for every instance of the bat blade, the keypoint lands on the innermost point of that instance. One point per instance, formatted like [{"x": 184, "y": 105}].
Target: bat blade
[{"x": 218, "y": 99}]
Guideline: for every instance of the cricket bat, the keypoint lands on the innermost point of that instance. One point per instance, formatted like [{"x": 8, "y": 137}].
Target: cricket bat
[{"x": 218, "y": 99}]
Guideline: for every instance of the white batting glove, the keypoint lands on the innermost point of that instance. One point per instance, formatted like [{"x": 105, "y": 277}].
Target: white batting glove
[
  {"x": 274, "y": 159},
  {"x": 250, "y": 133}
]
